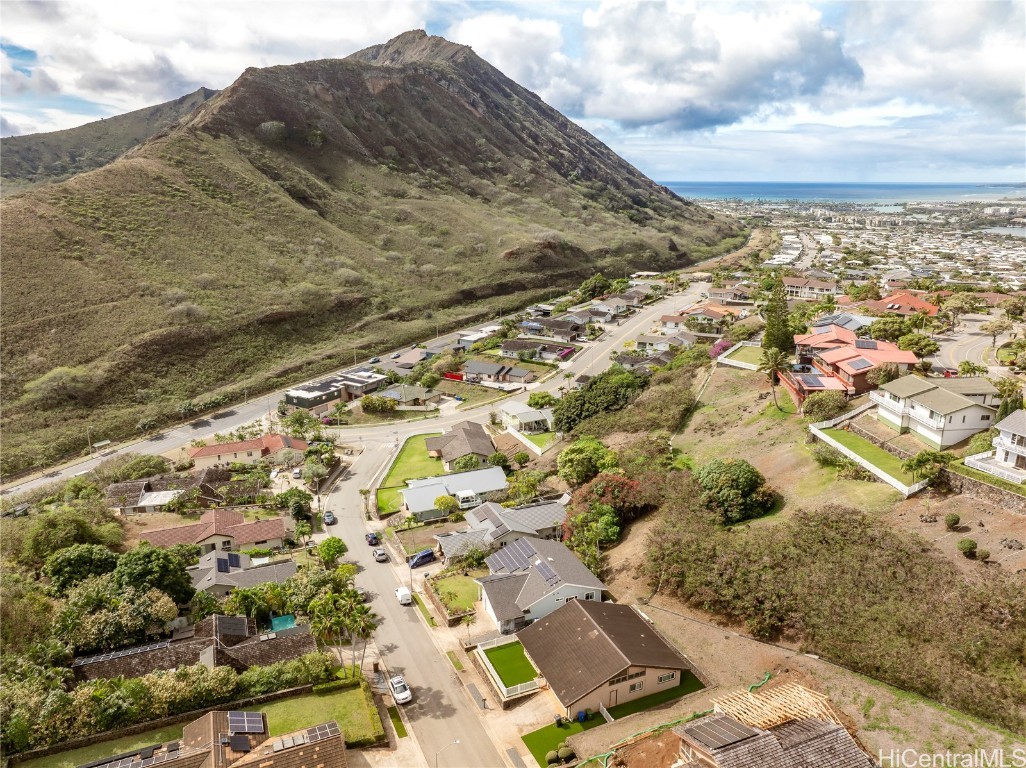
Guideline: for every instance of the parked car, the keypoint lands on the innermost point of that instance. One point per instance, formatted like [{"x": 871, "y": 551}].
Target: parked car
[
  {"x": 404, "y": 596},
  {"x": 396, "y": 355},
  {"x": 329, "y": 518},
  {"x": 297, "y": 474},
  {"x": 375, "y": 360},
  {"x": 361, "y": 593},
  {"x": 400, "y": 690},
  {"x": 372, "y": 539},
  {"x": 423, "y": 557},
  {"x": 380, "y": 555}
]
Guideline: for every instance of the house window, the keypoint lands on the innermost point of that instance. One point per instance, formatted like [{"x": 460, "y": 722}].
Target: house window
[
  {"x": 985, "y": 417},
  {"x": 636, "y": 686},
  {"x": 559, "y": 600},
  {"x": 667, "y": 677},
  {"x": 249, "y": 453},
  {"x": 589, "y": 595}
]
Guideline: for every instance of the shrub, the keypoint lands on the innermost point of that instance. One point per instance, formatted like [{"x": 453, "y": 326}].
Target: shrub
[
  {"x": 982, "y": 555},
  {"x": 735, "y": 490},
  {"x": 826, "y": 455},
  {"x": 967, "y": 547},
  {"x": 821, "y": 406},
  {"x": 551, "y": 757},
  {"x": 566, "y": 754},
  {"x": 951, "y": 521}
]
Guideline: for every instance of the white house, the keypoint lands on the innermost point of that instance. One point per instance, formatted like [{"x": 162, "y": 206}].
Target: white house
[
  {"x": 468, "y": 488},
  {"x": 492, "y": 526},
  {"x": 531, "y": 578},
  {"x": 524, "y": 418},
  {"x": 1008, "y": 459},
  {"x": 940, "y": 412}
]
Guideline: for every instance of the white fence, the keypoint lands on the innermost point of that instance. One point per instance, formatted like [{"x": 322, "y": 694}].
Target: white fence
[
  {"x": 507, "y": 691},
  {"x": 605, "y": 713},
  {"x": 527, "y": 443},
  {"x": 905, "y": 490},
  {"x": 976, "y": 462},
  {"x": 724, "y": 358}
]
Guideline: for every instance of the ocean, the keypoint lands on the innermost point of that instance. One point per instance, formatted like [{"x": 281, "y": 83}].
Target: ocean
[{"x": 842, "y": 192}]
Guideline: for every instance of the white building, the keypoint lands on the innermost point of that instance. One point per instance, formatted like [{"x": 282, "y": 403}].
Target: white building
[
  {"x": 1008, "y": 459},
  {"x": 940, "y": 412}
]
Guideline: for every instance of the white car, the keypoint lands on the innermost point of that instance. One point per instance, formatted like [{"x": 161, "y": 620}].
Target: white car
[
  {"x": 400, "y": 690},
  {"x": 404, "y": 596}
]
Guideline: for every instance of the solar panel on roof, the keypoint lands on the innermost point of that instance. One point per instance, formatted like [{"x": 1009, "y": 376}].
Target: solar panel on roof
[
  {"x": 859, "y": 364},
  {"x": 234, "y": 560},
  {"x": 720, "y": 731},
  {"x": 240, "y": 743},
  {"x": 865, "y": 344},
  {"x": 222, "y": 565},
  {"x": 546, "y": 572},
  {"x": 810, "y": 380},
  {"x": 118, "y": 654},
  {"x": 323, "y": 731}
]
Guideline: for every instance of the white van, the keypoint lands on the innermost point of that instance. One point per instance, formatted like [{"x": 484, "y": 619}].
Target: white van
[{"x": 404, "y": 596}]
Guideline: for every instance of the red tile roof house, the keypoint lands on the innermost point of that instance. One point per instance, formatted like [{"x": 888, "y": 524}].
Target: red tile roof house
[
  {"x": 903, "y": 303},
  {"x": 223, "y": 529},
  {"x": 269, "y": 448}
]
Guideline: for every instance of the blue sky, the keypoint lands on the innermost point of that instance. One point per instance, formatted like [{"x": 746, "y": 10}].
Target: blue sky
[{"x": 877, "y": 90}]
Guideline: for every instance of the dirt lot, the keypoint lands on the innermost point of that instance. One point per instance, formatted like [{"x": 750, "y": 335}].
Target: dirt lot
[{"x": 150, "y": 521}]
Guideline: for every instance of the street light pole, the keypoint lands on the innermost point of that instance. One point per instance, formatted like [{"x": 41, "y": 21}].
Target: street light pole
[{"x": 457, "y": 741}]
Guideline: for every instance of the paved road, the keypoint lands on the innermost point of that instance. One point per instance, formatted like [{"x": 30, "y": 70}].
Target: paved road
[
  {"x": 970, "y": 343},
  {"x": 593, "y": 359}
]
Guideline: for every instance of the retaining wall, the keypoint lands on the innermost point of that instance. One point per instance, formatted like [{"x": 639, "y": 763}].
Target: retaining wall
[{"x": 978, "y": 489}]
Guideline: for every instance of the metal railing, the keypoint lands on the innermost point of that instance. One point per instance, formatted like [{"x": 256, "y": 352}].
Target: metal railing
[
  {"x": 506, "y": 690},
  {"x": 976, "y": 461},
  {"x": 1009, "y": 445}
]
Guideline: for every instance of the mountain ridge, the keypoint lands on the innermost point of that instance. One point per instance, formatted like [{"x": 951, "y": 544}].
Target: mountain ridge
[{"x": 302, "y": 213}]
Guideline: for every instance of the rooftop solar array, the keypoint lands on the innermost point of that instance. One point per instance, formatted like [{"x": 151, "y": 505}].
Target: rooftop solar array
[
  {"x": 716, "y": 732},
  {"x": 81, "y": 662},
  {"x": 222, "y": 565},
  {"x": 865, "y": 344},
  {"x": 323, "y": 731},
  {"x": 859, "y": 364},
  {"x": 239, "y": 742},
  {"x": 245, "y": 722},
  {"x": 515, "y": 556},
  {"x": 287, "y": 742},
  {"x": 546, "y": 572},
  {"x": 809, "y": 380},
  {"x": 823, "y": 329},
  {"x": 234, "y": 560}
]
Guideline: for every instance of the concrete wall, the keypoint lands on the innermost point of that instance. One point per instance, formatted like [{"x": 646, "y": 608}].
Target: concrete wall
[{"x": 999, "y": 497}]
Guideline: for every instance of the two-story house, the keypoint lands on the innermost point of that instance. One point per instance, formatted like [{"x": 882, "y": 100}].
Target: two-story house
[
  {"x": 492, "y": 526},
  {"x": 940, "y": 412},
  {"x": 530, "y": 578},
  {"x": 806, "y": 288},
  {"x": 1007, "y": 460}
]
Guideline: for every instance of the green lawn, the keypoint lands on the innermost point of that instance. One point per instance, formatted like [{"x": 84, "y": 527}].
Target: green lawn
[
  {"x": 543, "y": 440},
  {"x": 411, "y": 462},
  {"x": 424, "y": 610},
  {"x": 875, "y": 455},
  {"x": 511, "y": 663},
  {"x": 547, "y": 739},
  {"x": 751, "y": 355},
  {"x": 688, "y": 684},
  {"x": 397, "y": 722},
  {"x": 464, "y": 588},
  {"x": 471, "y": 394},
  {"x": 456, "y": 663},
  {"x": 352, "y": 709}
]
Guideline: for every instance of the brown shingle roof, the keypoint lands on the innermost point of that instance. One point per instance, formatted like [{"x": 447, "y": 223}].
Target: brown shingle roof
[
  {"x": 318, "y": 747},
  {"x": 219, "y": 522},
  {"x": 583, "y": 644}
]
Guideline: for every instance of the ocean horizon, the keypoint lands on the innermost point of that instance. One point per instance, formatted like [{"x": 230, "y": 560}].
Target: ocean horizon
[{"x": 847, "y": 192}]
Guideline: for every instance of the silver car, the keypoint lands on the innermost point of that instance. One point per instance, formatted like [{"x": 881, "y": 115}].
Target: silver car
[{"x": 400, "y": 690}]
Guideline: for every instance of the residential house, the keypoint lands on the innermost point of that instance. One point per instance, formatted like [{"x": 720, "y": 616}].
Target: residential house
[
  {"x": 271, "y": 449},
  {"x": 467, "y": 339},
  {"x": 220, "y": 573},
  {"x": 562, "y": 329},
  {"x": 223, "y": 739},
  {"x": 321, "y": 395},
  {"x": 224, "y": 641},
  {"x": 223, "y": 529},
  {"x": 601, "y": 654},
  {"x": 631, "y": 299},
  {"x": 464, "y": 439},
  {"x": 527, "y": 349},
  {"x": 940, "y": 412},
  {"x": 468, "y": 488},
  {"x": 732, "y": 294},
  {"x": 580, "y": 316},
  {"x": 530, "y": 578},
  {"x": 710, "y": 318},
  {"x": 784, "y": 726},
  {"x": 410, "y": 396},
  {"x": 854, "y": 323},
  {"x": 1008, "y": 458},
  {"x": 809, "y": 289},
  {"x": 135, "y": 496},
  {"x": 206, "y": 487},
  {"x": 408, "y": 359},
  {"x": 651, "y": 343},
  {"x": 479, "y": 370},
  {"x": 524, "y": 418},
  {"x": 904, "y": 303},
  {"x": 672, "y": 323},
  {"x": 613, "y": 305},
  {"x": 492, "y": 526}
]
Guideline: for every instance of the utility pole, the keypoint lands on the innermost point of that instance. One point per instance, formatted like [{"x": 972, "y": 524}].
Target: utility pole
[{"x": 89, "y": 437}]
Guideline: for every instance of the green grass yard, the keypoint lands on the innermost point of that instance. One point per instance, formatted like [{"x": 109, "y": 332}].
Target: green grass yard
[
  {"x": 397, "y": 723},
  {"x": 511, "y": 663},
  {"x": 960, "y": 468},
  {"x": 546, "y": 739},
  {"x": 751, "y": 355},
  {"x": 543, "y": 440},
  {"x": 464, "y": 588},
  {"x": 411, "y": 462},
  {"x": 875, "y": 455},
  {"x": 352, "y": 708}
]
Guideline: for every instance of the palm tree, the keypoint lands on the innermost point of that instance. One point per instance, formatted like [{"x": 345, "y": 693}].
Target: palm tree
[
  {"x": 969, "y": 368},
  {"x": 773, "y": 363},
  {"x": 363, "y": 624}
]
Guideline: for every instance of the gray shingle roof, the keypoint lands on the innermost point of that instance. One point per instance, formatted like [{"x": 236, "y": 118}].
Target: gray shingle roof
[
  {"x": 463, "y": 439},
  {"x": 420, "y": 494},
  {"x": 1014, "y": 422},
  {"x": 907, "y": 386},
  {"x": 502, "y": 591}
]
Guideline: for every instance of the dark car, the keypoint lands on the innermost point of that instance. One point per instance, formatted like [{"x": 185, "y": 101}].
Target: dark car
[
  {"x": 372, "y": 539},
  {"x": 423, "y": 557},
  {"x": 329, "y": 518}
]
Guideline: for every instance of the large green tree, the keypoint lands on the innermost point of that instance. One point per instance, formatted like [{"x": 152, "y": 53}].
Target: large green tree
[
  {"x": 922, "y": 346},
  {"x": 735, "y": 490},
  {"x": 147, "y": 567},
  {"x": 584, "y": 458},
  {"x": 778, "y": 330},
  {"x": 66, "y": 567}
]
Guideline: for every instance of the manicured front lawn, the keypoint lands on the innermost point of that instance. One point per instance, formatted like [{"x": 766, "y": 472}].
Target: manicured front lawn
[
  {"x": 411, "y": 462},
  {"x": 688, "y": 684},
  {"x": 106, "y": 749},
  {"x": 464, "y": 588},
  {"x": 875, "y": 455},
  {"x": 543, "y": 440},
  {"x": 751, "y": 355},
  {"x": 547, "y": 739},
  {"x": 423, "y": 536},
  {"x": 511, "y": 663}
]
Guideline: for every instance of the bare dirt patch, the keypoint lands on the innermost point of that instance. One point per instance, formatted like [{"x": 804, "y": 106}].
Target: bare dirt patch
[{"x": 135, "y": 525}]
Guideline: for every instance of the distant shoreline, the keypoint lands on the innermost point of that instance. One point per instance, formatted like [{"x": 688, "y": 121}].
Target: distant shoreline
[{"x": 849, "y": 192}]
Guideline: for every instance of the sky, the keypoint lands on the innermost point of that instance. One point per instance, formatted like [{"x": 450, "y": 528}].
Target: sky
[{"x": 689, "y": 90}]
